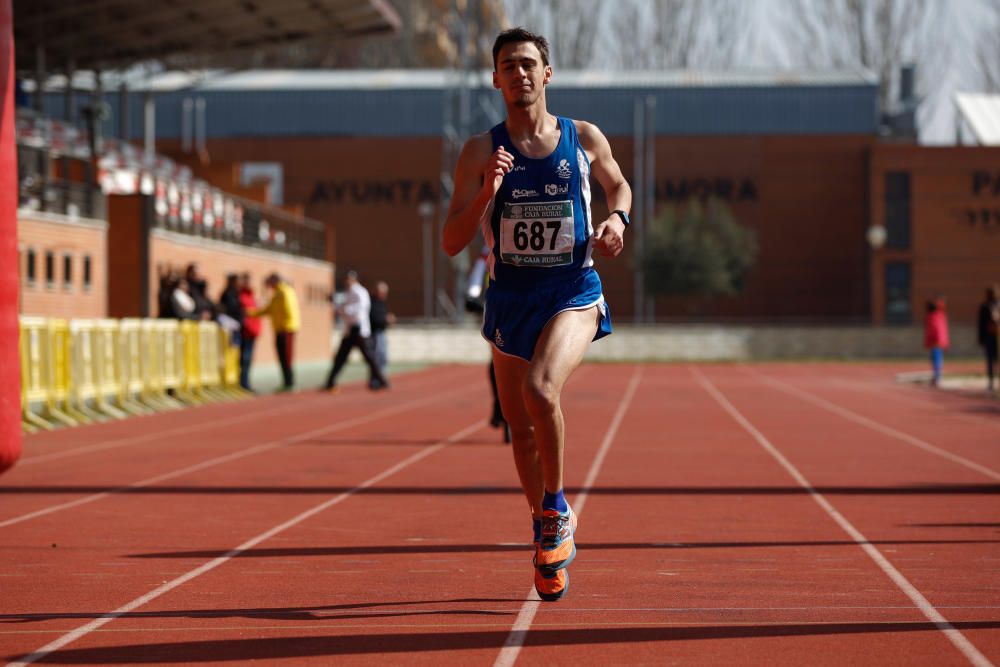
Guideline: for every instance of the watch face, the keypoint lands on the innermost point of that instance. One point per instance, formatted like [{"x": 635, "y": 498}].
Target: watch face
[{"x": 624, "y": 216}]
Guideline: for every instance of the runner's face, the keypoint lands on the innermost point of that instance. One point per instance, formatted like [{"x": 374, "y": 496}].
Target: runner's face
[{"x": 520, "y": 75}]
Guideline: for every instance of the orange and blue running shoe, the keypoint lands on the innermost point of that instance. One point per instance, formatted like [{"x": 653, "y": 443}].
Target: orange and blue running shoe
[
  {"x": 557, "y": 548},
  {"x": 551, "y": 587}
]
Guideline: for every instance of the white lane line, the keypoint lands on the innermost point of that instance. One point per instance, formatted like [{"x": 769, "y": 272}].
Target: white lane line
[
  {"x": 929, "y": 611},
  {"x": 156, "y": 434},
  {"x": 872, "y": 424},
  {"x": 229, "y": 457},
  {"x": 519, "y": 631},
  {"x": 132, "y": 440},
  {"x": 84, "y": 630}
]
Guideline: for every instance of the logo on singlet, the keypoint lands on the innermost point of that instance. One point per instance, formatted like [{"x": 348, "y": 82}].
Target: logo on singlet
[
  {"x": 498, "y": 339},
  {"x": 521, "y": 193},
  {"x": 554, "y": 189},
  {"x": 563, "y": 170}
]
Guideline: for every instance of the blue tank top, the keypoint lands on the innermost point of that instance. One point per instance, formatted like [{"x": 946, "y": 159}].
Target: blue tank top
[{"x": 540, "y": 227}]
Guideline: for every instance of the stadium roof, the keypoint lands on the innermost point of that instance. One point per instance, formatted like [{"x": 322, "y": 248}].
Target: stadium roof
[
  {"x": 415, "y": 79},
  {"x": 982, "y": 114},
  {"x": 106, "y": 34}
]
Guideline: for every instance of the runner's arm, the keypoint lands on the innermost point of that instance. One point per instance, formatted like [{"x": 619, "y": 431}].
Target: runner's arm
[
  {"x": 608, "y": 235},
  {"x": 477, "y": 178}
]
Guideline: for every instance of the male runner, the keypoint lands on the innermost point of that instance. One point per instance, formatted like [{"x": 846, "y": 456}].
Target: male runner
[{"x": 526, "y": 183}]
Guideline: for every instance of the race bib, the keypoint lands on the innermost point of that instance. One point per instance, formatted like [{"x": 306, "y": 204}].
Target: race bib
[{"x": 537, "y": 234}]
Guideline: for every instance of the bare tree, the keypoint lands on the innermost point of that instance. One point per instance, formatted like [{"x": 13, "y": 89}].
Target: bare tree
[
  {"x": 636, "y": 34},
  {"x": 572, "y": 27},
  {"x": 880, "y": 35},
  {"x": 988, "y": 53}
]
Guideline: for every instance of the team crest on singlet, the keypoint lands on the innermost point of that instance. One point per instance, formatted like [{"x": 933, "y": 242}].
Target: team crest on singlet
[{"x": 563, "y": 170}]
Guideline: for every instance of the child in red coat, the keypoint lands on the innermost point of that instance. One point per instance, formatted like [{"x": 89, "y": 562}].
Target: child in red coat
[{"x": 936, "y": 336}]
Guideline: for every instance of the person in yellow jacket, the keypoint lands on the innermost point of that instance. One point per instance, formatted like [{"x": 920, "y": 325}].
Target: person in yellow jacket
[{"x": 283, "y": 310}]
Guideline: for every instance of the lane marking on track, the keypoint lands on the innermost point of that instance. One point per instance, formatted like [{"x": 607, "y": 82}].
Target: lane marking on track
[
  {"x": 288, "y": 440},
  {"x": 930, "y": 612},
  {"x": 924, "y": 396},
  {"x": 135, "y": 439},
  {"x": 519, "y": 632},
  {"x": 850, "y": 415},
  {"x": 104, "y": 619}
]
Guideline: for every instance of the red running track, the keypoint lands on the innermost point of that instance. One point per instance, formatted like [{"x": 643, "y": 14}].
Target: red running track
[{"x": 761, "y": 514}]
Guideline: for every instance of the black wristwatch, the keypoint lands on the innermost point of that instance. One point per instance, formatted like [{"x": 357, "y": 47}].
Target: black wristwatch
[{"x": 623, "y": 215}]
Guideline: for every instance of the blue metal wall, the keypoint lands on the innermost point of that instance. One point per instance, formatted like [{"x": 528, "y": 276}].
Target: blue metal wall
[{"x": 735, "y": 110}]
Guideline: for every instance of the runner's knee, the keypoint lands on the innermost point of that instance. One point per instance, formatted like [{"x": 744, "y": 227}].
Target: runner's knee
[{"x": 541, "y": 396}]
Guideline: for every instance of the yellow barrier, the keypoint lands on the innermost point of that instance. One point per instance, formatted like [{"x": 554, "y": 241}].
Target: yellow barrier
[
  {"x": 46, "y": 377},
  {"x": 210, "y": 360},
  {"x": 151, "y": 363},
  {"x": 34, "y": 388},
  {"x": 171, "y": 344},
  {"x": 191, "y": 378},
  {"x": 70, "y": 369},
  {"x": 59, "y": 366},
  {"x": 108, "y": 362},
  {"x": 84, "y": 386},
  {"x": 229, "y": 369},
  {"x": 130, "y": 380}
]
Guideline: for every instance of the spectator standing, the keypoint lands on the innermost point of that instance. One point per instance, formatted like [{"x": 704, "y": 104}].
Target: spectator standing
[
  {"x": 168, "y": 283},
  {"x": 198, "y": 289},
  {"x": 249, "y": 331},
  {"x": 229, "y": 311},
  {"x": 181, "y": 302},
  {"x": 229, "y": 301},
  {"x": 936, "y": 336},
  {"x": 283, "y": 309},
  {"x": 989, "y": 321},
  {"x": 381, "y": 319},
  {"x": 356, "y": 314}
]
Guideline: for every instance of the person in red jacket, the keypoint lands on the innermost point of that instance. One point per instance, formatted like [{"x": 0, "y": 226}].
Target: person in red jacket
[
  {"x": 249, "y": 331},
  {"x": 936, "y": 336}
]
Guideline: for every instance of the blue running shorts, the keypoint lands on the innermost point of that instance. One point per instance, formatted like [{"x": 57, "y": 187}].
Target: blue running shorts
[{"x": 515, "y": 317}]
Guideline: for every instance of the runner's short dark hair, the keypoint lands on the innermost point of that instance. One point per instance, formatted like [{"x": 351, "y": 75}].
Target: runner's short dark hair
[{"x": 516, "y": 35}]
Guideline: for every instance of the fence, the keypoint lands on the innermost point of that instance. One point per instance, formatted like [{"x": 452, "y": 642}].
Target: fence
[{"x": 84, "y": 371}]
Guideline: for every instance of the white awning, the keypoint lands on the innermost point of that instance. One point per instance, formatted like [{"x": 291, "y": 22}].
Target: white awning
[{"x": 981, "y": 112}]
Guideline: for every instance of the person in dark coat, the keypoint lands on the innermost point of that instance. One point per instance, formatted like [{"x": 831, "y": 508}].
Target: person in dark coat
[{"x": 988, "y": 322}]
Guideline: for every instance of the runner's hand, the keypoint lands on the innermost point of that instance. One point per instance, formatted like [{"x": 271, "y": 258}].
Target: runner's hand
[
  {"x": 609, "y": 237},
  {"x": 499, "y": 165}
]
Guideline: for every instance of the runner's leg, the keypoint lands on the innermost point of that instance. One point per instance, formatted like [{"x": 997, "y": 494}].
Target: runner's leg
[
  {"x": 558, "y": 353},
  {"x": 510, "y": 373}
]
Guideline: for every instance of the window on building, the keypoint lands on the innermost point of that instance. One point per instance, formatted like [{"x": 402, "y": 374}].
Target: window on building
[
  {"x": 897, "y": 209},
  {"x": 30, "y": 267},
  {"x": 67, "y": 270},
  {"x": 50, "y": 268},
  {"x": 86, "y": 272},
  {"x": 898, "y": 309}
]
